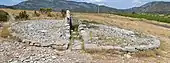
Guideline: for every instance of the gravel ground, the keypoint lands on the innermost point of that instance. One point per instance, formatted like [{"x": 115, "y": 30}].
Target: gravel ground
[
  {"x": 12, "y": 51},
  {"x": 42, "y": 33},
  {"x": 49, "y": 32}
]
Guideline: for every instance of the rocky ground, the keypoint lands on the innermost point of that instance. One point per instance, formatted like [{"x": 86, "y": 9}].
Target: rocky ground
[
  {"x": 12, "y": 51},
  {"x": 9, "y": 47},
  {"x": 111, "y": 37},
  {"x": 43, "y": 33},
  {"x": 34, "y": 39}
]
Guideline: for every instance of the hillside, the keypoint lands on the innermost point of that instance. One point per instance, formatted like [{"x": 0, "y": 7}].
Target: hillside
[
  {"x": 3, "y": 6},
  {"x": 152, "y": 7},
  {"x": 57, "y": 5}
]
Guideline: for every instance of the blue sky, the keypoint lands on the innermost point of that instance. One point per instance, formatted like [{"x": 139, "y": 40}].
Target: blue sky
[{"x": 121, "y": 4}]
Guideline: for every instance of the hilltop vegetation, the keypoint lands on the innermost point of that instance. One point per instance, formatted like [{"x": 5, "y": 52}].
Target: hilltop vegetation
[
  {"x": 160, "y": 7},
  {"x": 147, "y": 16},
  {"x": 57, "y": 5},
  {"x": 33, "y": 14}
]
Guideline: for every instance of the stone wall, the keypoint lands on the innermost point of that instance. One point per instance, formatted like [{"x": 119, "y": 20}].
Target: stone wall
[
  {"x": 45, "y": 33},
  {"x": 97, "y": 36},
  {"x": 56, "y": 34}
]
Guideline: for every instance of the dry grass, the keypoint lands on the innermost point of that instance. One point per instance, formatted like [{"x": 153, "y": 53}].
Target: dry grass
[
  {"x": 124, "y": 22},
  {"x": 150, "y": 53},
  {"x": 5, "y": 31},
  {"x": 54, "y": 15}
]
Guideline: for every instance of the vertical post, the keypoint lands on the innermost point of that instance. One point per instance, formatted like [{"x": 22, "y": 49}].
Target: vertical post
[
  {"x": 98, "y": 9},
  {"x": 69, "y": 19}
]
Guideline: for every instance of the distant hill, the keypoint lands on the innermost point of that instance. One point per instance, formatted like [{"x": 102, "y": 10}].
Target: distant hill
[
  {"x": 152, "y": 7},
  {"x": 57, "y": 5},
  {"x": 3, "y": 6}
]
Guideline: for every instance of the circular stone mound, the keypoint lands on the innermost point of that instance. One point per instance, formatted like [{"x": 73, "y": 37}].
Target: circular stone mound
[
  {"x": 117, "y": 38},
  {"x": 41, "y": 33}
]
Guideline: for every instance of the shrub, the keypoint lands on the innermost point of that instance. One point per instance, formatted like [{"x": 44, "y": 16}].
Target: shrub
[
  {"x": 57, "y": 15},
  {"x": 63, "y": 12},
  {"x": 45, "y": 10},
  {"x": 22, "y": 15},
  {"x": 36, "y": 14},
  {"x": 50, "y": 14},
  {"x": 42, "y": 10},
  {"x": 4, "y": 16},
  {"x": 133, "y": 12},
  {"x": 49, "y": 10}
]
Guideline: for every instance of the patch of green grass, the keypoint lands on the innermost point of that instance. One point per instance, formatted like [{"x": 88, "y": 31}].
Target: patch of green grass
[{"x": 155, "y": 17}]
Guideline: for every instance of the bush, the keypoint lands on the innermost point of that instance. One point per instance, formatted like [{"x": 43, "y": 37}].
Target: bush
[
  {"x": 46, "y": 10},
  {"x": 50, "y": 15},
  {"x": 42, "y": 10},
  {"x": 36, "y": 14},
  {"x": 49, "y": 9},
  {"x": 63, "y": 12},
  {"x": 4, "y": 16},
  {"x": 22, "y": 15}
]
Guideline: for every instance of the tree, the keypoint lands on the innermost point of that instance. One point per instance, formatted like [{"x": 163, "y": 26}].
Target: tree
[{"x": 133, "y": 12}]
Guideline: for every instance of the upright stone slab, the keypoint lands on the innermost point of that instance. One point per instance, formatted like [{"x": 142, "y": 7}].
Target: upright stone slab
[
  {"x": 84, "y": 33},
  {"x": 67, "y": 31}
]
